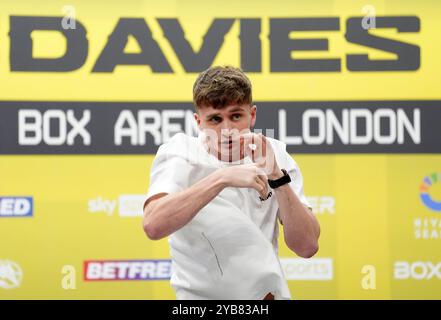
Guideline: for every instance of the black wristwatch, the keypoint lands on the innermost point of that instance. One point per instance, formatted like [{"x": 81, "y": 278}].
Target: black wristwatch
[{"x": 281, "y": 181}]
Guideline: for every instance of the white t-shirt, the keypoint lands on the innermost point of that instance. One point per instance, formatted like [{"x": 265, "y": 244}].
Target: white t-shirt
[{"x": 229, "y": 250}]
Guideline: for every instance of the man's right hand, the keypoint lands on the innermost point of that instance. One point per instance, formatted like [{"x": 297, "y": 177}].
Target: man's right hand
[{"x": 246, "y": 176}]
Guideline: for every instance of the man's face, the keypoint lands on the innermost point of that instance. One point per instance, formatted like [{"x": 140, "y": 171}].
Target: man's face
[{"x": 223, "y": 126}]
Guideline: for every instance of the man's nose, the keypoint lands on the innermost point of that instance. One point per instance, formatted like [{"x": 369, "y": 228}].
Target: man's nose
[{"x": 227, "y": 127}]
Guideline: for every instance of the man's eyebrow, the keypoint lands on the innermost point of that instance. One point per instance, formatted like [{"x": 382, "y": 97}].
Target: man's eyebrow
[
  {"x": 212, "y": 115},
  {"x": 230, "y": 111},
  {"x": 236, "y": 109}
]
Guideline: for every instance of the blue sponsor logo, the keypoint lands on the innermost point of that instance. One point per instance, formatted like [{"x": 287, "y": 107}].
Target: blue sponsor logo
[
  {"x": 429, "y": 200},
  {"x": 16, "y": 207}
]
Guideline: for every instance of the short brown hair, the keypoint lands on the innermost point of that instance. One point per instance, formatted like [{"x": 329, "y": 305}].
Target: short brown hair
[{"x": 221, "y": 86}]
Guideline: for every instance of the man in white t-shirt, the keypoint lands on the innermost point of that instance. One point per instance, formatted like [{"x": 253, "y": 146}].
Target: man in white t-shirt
[{"x": 218, "y": 197}]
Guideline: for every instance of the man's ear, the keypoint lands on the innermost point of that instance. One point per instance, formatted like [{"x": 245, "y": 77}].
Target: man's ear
[
  {"x": 253, "y": 115},
  {"x": 198, "y": 119}
]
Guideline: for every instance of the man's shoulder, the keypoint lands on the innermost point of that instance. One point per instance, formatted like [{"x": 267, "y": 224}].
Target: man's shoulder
[
  {"x": 279, "y": 147},
  {"x": 180, "y": 144},
  {"x": 276, "y": 143}
]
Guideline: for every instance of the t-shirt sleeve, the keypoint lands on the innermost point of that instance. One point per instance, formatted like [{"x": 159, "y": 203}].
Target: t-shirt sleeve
[
  {"x": 169, "y": 173},
  {"x": 296, "y": 183}
]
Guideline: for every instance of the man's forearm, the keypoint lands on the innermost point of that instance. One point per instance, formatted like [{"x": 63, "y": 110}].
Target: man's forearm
[
  {"x": 170, "y": 213},
  {"x": 301, "y": 228}
]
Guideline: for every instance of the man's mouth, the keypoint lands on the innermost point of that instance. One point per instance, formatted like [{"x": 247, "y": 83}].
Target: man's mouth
[{"x": 228, "y": 143}]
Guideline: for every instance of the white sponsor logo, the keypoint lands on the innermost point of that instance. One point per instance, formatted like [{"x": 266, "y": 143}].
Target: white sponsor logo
[
  {"x": 102, "y": 205},
  {"x": 308, "y": 269},
  {"x": 418, "y": 270},
  {"x": 322, "y": 204},
  {"x": 129, "y": 205},
  {"x": 427, "y": 228},
  {"x": 11, "y": 274}
]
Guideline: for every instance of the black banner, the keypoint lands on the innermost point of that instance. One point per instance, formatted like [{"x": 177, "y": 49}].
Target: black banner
[{"x": 64, "y": 127}]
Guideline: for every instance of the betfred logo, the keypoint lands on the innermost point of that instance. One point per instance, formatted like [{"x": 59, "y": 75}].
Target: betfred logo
[
  {"x": 418, "y": 270},
  {"x": 16, "y": 207},
  {"x": 123, "y": 270}
]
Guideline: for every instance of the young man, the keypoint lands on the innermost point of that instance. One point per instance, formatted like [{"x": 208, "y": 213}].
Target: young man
[{"x": 219, "y": 195}]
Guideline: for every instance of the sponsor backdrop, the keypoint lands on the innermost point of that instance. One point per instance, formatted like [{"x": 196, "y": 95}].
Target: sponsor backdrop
[{"x": 90, "y": 89}]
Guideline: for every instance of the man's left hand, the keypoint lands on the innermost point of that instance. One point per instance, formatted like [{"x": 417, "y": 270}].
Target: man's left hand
[{"x": 259, "y": 149}]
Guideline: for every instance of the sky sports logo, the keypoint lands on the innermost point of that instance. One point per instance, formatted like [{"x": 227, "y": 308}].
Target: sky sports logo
[
  {"x": 16, "y": 207},
  {"x": 127, "y": 205},
  {"x": 314, "y": 269},
  {"x": 127, "y": 270}
]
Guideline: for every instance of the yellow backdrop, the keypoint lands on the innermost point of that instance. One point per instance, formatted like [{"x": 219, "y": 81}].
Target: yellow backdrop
[{"x": 379, "y": 239}]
